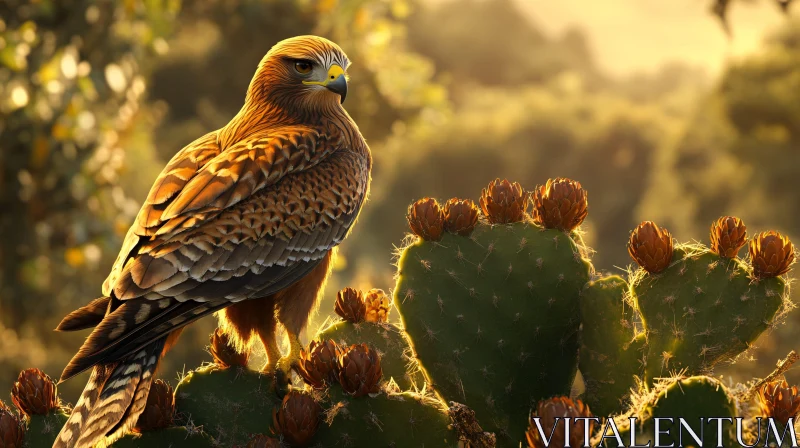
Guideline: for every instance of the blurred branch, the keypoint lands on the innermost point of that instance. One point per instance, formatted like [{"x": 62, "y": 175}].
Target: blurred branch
[{"x": 720, "y": 8}]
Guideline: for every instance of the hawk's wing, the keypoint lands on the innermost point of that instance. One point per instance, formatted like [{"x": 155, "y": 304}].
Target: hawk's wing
[
  {"x": 201, "y": 181},
  {"x": 232, "y": 231}
]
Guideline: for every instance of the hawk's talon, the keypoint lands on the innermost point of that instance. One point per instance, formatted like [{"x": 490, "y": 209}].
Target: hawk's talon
[{"x": 283, "y": 375}]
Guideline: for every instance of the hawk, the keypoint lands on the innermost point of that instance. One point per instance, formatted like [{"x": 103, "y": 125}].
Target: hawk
[{"x": 242, "y": 222}]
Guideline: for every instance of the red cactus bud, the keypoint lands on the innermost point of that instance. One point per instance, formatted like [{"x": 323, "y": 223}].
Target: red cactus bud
[
  {"x": 651, "y": 247},
  {"x": 728, "y": 235},
  {"x": 559, "y": 407},
  {"x": 360, "y": 370},
  {"x": 504, "y": 202},
  {"x": 318, "y": 364},
  {"x": 771, "y": 254},
  {"x": 225, "y": 355},
  {"x": 426, "y": 219},
  {"x": 779, "y": 401},
  {"x": 350, "y": 305},
  {"x": 460, "y": 216},
  {"x": 34, "y": 393},
  {"x": 560, "y": 204},
  {"x": 297, "y": 418}
]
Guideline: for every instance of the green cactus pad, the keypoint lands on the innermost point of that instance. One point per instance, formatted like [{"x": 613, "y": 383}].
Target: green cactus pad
[
  {"x": 703, "y": 309},
  {"x": 43, "y": 429},
  {"x": 175, "y": 437},
  {"x": 690, "y": 398},
  {"x": 389, "y": 340},
  {"x": 494, "y": 318},
  {"x": 229, "y": 404},
  {"x": 404, "y": 419},
  {"x": 611, "y": 347}
]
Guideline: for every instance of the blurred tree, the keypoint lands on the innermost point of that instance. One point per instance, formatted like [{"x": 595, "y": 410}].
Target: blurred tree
[
  {"x": 491, "y": 43},
  {"x": 73, "y": 73},
  {"x": 740, "y": 150}
]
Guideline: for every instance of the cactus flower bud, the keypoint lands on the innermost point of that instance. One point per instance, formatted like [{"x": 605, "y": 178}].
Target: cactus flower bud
[
  {"x": 460, "y": 216},
  {"x": 728, "y": 235},
  {"x": 426, "y": 219},
  {"x": 34, "y": 393},
  {"x": 360, "y": 370},
  {"x": 771, "y": 254},
  {"x": 350, "y": 305},
  {"x": 560, "y": 204},
  {"x": 224, "y": 354},
  {"x": 651, "y": 247},
  {"x": 503, "y": 202}
]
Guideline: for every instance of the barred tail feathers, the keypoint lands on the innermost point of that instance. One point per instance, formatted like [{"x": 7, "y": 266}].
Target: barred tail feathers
[
  {"x": 71, "y": 431},
  {"x": 112, "y": 400}
]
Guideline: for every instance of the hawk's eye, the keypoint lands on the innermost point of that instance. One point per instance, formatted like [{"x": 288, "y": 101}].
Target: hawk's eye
[{"x": 302, "y": 67}]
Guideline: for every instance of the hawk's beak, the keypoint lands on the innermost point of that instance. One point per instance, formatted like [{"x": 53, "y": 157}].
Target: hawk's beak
[
  {"x": 335, "y": 81},
  {"x": 338, "y": 85}
]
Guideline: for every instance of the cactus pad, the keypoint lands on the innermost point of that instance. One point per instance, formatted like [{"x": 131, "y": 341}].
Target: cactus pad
[
  {"x": 386, "y": 419},
  {"x": 611, "y": 346},
  {"x": 693, "y": 398},
  {"x": 43, "y": 428},
  {"x": 391, "y": 343},
  {"x": 230, "y": 404},
  {"x": 702, "y": 309},
  {"x": 174, "y": 437},
  {"x": 494, "y": 318}
]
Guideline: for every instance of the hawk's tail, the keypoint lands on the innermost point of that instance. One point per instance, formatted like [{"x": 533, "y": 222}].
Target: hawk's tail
[{"x": 112, "y": 400}]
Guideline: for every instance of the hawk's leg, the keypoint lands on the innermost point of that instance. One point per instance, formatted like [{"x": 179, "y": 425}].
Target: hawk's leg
[
  {"x": 271, "y": 346},
  {"x": 254, "y": 317},
  {"x": 295, "y": 304}
]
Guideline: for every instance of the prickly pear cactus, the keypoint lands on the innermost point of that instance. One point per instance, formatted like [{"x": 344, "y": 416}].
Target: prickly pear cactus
[
  {"x": 700, "y": 307},
  {"x": 385, "y": 419},
  {"x": 360, "y": 409},
  {"x": 691, "y": 398},
  {"x": 389, "y": 339},
  {"x": 494, "y": 317},
  {"x": 230, "y": 404},
  {"x": 42, "y": 429},
  {"x": 35, "y": 396},
  {"x": 611, "y": 345},
  {"x": 372, "y": 327},
  {"x": 174, "y": 437}
]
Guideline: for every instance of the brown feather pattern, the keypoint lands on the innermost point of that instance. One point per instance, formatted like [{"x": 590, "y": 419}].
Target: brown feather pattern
[
  {"x": 86, "y": 316},
  {"x": 241, "y": 213}
]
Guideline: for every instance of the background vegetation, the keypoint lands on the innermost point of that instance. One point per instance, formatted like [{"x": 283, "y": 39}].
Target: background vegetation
[{"x": 96, "y": 95}]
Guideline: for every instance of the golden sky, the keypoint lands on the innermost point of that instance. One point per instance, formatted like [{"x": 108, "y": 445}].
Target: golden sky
[{"x": 641, "y": 35}]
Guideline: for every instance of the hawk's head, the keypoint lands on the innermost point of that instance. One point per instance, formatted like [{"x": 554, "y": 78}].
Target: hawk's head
[{"x": 302, "y": 71}]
